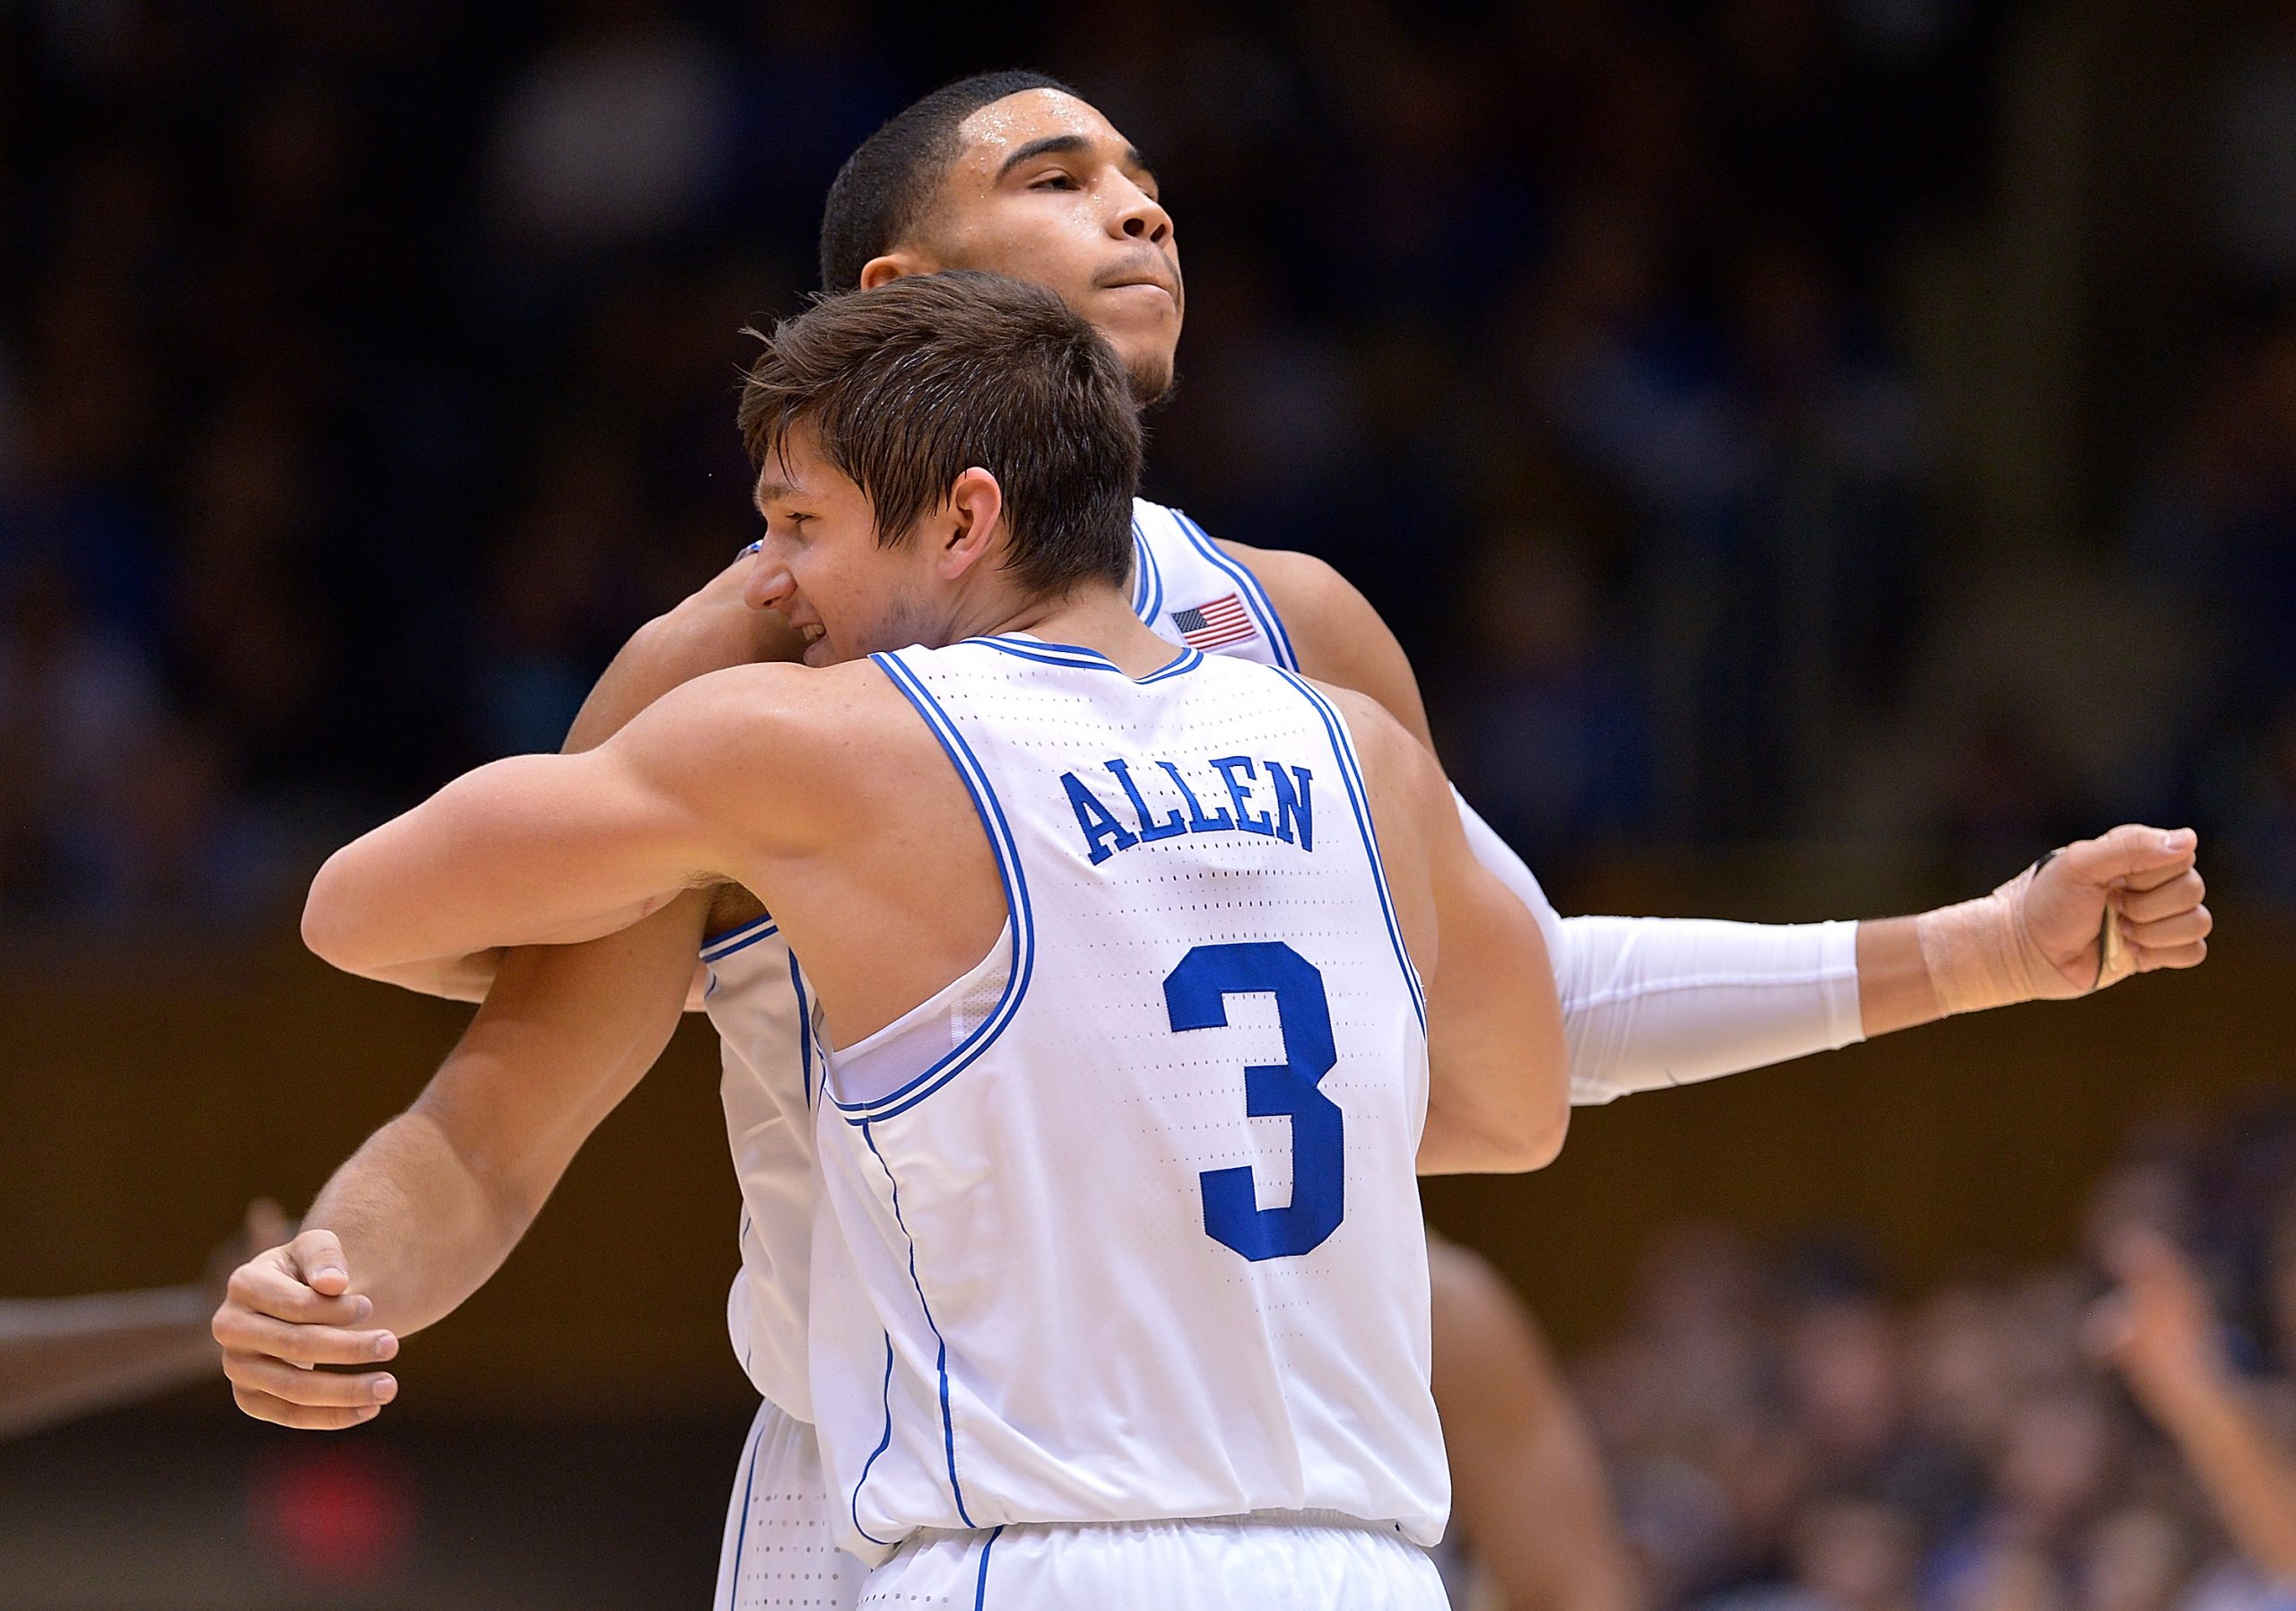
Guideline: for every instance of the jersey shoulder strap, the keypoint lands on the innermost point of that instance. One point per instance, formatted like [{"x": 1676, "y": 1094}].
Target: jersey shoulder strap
[{"x": 1191, "y": 594}]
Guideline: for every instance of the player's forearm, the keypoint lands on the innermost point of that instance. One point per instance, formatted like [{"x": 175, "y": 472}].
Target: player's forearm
[
  {"x": 62, "y": 1357},
  {"x": 434, "y": 1201},
  {"x": 1528, "y": 1483},
  {"x": 1894, "y": 987},
  {"x": 510, "y": 854},
  {"x": 448, "y": 978},
  {"x": 707, "y": 633},
  {"x": 422, "y": 1225},
  {"x": 1650, "y": 1003}
]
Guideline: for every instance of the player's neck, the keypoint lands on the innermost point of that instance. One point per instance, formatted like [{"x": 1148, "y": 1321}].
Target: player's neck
[{"x": 1096, "y": 616}]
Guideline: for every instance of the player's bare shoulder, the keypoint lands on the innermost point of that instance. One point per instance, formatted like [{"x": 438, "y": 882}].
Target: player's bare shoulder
[
  {"x": 1335, "y": 631},
  {"x": 805, "y": 745},
  {"x": 1396, "y": 766},
  {"x": 1303, "y": 588}
]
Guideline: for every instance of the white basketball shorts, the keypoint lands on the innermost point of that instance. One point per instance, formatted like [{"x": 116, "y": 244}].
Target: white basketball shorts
[{"x": 1268, "y": 1561}]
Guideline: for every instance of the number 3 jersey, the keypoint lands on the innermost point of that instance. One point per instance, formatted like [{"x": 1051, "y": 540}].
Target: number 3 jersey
[
  {"x": 1184, "y": 589},
  {"x": 1123, "y": 1224}
]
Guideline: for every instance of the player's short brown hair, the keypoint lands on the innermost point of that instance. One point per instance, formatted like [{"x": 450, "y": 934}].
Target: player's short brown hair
[{"x": 907, "y": 386}]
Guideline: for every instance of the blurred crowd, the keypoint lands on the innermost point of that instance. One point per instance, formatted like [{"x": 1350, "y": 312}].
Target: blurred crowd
[
  {"x": 366, "y": 375},
  {"x": 1784, "y": 1437}
]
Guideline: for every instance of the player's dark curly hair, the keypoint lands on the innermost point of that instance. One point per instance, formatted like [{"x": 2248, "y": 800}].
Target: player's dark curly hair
[
  {"x": 907, "y": 386},
  {"x": 887, "y": 184}
]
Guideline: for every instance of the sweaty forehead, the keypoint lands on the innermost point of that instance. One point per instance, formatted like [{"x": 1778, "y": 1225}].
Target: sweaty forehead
[{"x": 1003, "y": 127}]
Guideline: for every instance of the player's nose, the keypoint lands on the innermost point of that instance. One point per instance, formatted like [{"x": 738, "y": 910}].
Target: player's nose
[
  {"x": 768, "y": 585},
  {"x": 1140, "y": 217}
]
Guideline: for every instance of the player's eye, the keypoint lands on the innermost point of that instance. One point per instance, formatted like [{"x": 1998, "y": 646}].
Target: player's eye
[{"x": 1055, "y": 182}]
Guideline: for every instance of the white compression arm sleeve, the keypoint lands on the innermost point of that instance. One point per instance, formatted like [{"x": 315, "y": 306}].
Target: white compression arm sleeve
[{"x": 1653, "y": 1002}]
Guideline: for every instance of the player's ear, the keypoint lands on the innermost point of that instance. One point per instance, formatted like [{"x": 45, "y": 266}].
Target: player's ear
[
  {"x": 975, "y": 509},
  {"x": 896, "y": 264}
]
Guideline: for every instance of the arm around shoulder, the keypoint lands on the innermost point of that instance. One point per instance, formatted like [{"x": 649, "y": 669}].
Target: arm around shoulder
[{"x": 540, "y": 849}]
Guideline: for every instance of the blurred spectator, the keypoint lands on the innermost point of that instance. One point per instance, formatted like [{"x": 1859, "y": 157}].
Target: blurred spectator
[
  {"x": 612, "y": 135},
  {"x": 2254, "y": 152},
  {"x": 77, "y": 706},
  {"x": 2218, "y": 527},
  {"x": 811, "y": 89},
  {"x": 2158, "y": 1330},
  {"x": 1552, "y": 742},
  {"x": 108, "y": 801},
  {"x": 546, "y": 620},
  {"x": 1782, "y": 1438}
]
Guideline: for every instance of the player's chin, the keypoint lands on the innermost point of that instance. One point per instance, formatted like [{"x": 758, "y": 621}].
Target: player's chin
[
  {"x": 1144, "y": 345},
  {"x": 1148, "y": 370}
]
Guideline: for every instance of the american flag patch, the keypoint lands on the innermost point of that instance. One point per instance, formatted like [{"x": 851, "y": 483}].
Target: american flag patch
[{"x": 1223, "y": 620}]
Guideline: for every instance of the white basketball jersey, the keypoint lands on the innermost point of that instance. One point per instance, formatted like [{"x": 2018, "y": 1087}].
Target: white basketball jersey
[
  {"x": 1193, "y": 596},
  {"x": 1123, "y": 1224}
]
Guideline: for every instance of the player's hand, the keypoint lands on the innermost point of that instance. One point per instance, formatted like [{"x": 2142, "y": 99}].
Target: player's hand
[
  {"x": 2157, "y": 1328},
  {"x": 265, "y": 1224},
  {"x": 2146, "y": 876},
  {"x": 289, "y": 1310}
]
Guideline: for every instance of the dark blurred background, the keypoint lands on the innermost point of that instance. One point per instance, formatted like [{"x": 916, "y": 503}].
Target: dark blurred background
[{"x": 1817, "y": 452}]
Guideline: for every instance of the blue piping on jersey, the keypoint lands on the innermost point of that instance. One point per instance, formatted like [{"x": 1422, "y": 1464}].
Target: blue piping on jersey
[
  {"x": 1254, "y": 595},
  {"x": 1359, "y": 798},
  {"x": 1048, "y": 654},
  {"x": 805, "y": 1028},
  {"x": 1021, "y": 914},
  {"x": 948, "y": 1424},
  {"x": 1148, "y": 597},
  {"x": 741, "y": 1542},
  {"x": 882, "y": 1443},
  {"x": 1188, "y": 661},
  {"x": 745, "y": 937},
  {"x": 1077, "y": 655},
  {"x": 980, "y": 1585}
]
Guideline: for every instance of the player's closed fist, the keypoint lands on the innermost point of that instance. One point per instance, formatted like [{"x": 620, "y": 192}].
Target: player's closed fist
[
  {"x": 288, "y": 1311},
  {"x": 2147, "y": 878}
]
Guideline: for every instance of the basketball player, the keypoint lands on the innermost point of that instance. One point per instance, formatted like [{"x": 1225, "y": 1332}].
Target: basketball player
[
  {"x": 1073, "y": 909},
  {"x": 1010, "y": 172}
]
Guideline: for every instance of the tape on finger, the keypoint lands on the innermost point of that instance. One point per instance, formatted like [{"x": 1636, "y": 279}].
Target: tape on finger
[{"x": 2115, "y": 960}]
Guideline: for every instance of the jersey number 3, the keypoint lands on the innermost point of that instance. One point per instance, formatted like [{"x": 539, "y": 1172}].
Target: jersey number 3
[{"x": 1196, "y": 997}]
